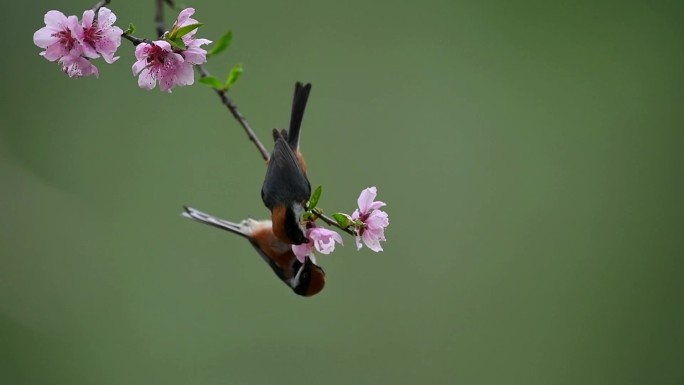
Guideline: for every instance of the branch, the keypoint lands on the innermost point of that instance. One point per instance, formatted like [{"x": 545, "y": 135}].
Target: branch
[
  {"x": 332, "y": 222},
  {"x": 159, "y": 17},
  {"x": 133, "y": 39},
  {"x": 223, "y": 95},
  {"x": 100, "y": 4}
]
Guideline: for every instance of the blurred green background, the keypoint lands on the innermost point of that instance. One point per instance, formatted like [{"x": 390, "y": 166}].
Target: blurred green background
[{"x": 530, "y": 154}]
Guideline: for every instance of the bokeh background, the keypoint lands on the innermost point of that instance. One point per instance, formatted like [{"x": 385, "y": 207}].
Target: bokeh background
[{"x": 530, "y": 154}]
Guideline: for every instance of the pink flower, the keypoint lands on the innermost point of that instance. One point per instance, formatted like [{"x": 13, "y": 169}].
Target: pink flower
[
  {"x": 99, "y": 37},
  {"x": 76, "y": 66},
  {"x": 373, "y": 221},
  {"x": 158, "y": 62},
  {"x": 193, "y": 53},
  {"x": 58, "y": 36},
  {"x": 321, "y": 239}
]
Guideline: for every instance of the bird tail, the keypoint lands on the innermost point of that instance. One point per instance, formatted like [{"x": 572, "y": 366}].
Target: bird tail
[
  {"x": 299, "y": 100},
  {"x": 211, "y": 220}
]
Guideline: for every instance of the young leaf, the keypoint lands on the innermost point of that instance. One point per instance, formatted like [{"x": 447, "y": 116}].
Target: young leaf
[
  {"x": 180, "y": 32},
  {"x": 177, "y": 43},
  {"x": 211, "y": 82},
  {"x": 233, "y": 76},
  {"x": 130, "y": 30},
  {"x": 222, "y": 44},
  {"x": 315, "y": 197},
  {"x": 342, "y": 220}
]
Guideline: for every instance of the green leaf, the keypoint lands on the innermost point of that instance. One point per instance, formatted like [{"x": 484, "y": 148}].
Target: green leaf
[
  {"x": 342, "y": 220},
  {"x": 130, "y": 30},
  {"x": 177, "y": 43},
  {"x": 222, "y": 44},
  {"x": 180, "y": 32},
  {"x": 233, "y": 76},
  {"x": 315, "y": 197},
  {"x": 211, "y": 82}
]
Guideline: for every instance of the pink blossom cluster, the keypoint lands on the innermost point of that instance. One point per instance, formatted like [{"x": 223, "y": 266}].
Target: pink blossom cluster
[
  {"x": 165, "y": 61},
  {"x": 73, "y": 43},
  {"x": 367, "y": 222},
  {"x": 159, "y": 61}
]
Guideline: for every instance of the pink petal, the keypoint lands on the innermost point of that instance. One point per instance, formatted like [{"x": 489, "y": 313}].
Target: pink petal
[
  {"x": 89, "y": 51},
  {"x": 324, "y": 239},
  {"x": 146, "y": 80},
  {"x": 139, "y": 66},
  {"x": 378, "y": 219},
  {"x": 105, "y": 18},
  {"x": 195, "y": 55},
  {"x": 190, "y": 40},
  {"x": 55, "y": 19},
  {"x": 378, "y": 233},
  {"x": 78, "y": 66},
  {"x": 302, "y": 251},
  {"x": 372, "y": 242},
  {"x": 184, "y": 16},
  {"x": 74, "y": 26},
  {"x": 108, "y": 44},
  {"x": 108, "y": 56},
  {"x": 337, "y": 237},
  {"x": 142, "y": 50},
  {"x": 112, "y": 34},
  {"x": 366, "y": 198},
  {"x": 44, "y": 37},
  {"x": 325, "y": 246},
  {"x": 88, "y": 17},
  {"x": 199, "y": 42},
  {"x": 55, "y": 51},
  {"x": 185, "y": 75},
  {"x": 163, "y": 45},
  {"x": 166, "y": 83}
]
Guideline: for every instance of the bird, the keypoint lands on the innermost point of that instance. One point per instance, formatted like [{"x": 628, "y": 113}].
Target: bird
[
  {"x": 286, "y": 188},
  {"x": 305, "y": 279}
]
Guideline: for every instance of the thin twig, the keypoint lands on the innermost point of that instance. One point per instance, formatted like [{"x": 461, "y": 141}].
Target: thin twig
[
  {"x": 159, "y": 17},
  {"x": 223, "y": 95},
  {"x": 332, "y": 222},
  {"x": 133, "y": 39},
  {"x": 100, "y": 4}
]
